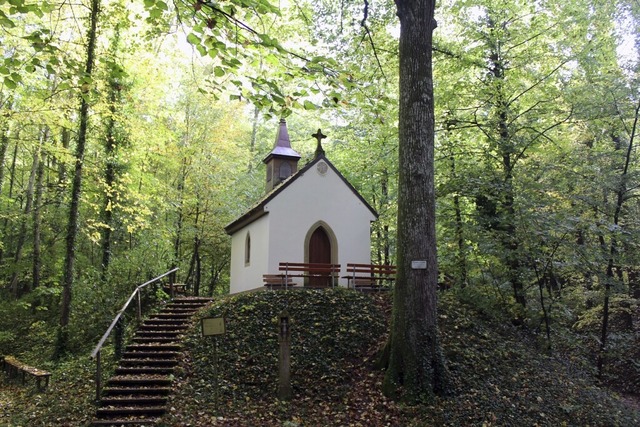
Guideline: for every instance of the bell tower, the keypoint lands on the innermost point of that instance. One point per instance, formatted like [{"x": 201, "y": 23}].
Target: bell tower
[{"x": 282, "y": 162}]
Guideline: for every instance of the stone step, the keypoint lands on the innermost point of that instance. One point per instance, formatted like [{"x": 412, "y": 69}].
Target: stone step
[
  {"x": 153, "y": 347},
  {"x": 142, "y": 340},
  {"x": 127, "y": 380},
  {"x": 172, "y": 316},
  {"x": 138, "y": 422},
  {"x": 130, "y": 400},
  {"x": 172, "y": 327},
  {"x": 167, "y": 333},
  {"x": 148, "y": 362},
  {"x": 130, "y": 410},
  {"x": 137, "y": 393},
  {"x": 136, "y": 390},
  {"x": 203, "y": 300},
  {"x": 144, "y": 370}
]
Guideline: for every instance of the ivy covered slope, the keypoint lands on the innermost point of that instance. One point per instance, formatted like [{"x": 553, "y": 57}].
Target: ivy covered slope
[{"x": 500, "y": 377}]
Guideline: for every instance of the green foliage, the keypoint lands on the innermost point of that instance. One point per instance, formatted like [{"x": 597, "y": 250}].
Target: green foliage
[
  {"x": 342, "y": 323},
  {"x": 500, "y": 376}
]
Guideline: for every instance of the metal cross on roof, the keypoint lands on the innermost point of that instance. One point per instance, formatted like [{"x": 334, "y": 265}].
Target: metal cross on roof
[{"x": 319, "y": 136}]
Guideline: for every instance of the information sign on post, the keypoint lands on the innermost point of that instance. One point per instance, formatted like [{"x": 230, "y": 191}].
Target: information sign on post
[{"x": 214, "y": 327}]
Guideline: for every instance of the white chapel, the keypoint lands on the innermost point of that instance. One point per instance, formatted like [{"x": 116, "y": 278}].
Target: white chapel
[{"x": 308, "y": 215}]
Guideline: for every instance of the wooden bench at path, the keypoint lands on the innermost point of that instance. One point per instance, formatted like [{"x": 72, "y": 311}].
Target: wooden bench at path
[
  {"x": 370, "y": 277},
  {"x": 13, "y": 367},
  {"x": 318, "y": 275},
  {"x": 277, "y": 281},
  {"x": 178, "y": 288}
]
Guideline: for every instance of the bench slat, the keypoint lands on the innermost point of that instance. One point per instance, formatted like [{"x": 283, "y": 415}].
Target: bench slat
[
  {"x": 311, "y": 270},
  {"x": 369, "y": 276},
  {"x": 14, "y": 366}
]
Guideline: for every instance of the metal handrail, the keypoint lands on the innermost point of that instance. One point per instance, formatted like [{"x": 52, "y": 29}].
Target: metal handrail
[{"x": 96, "y": 352}]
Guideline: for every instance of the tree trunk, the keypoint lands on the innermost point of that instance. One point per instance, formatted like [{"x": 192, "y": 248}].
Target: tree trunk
[
  {"x": 461, "y": 259},
  {"x": 613, "y": 248},
  {"x": 76, "y": 189},
  {"x": 37, "y": 217},
  {"x": 4, "y": 145},
  {"x": 416, "y": 365},
  {"x": 110, "y": 145},
  {"x": 5, "y": 223},
  {"x": 26, "y": 214}
]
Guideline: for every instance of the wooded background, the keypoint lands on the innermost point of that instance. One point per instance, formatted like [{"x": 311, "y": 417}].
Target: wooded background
[{"x": 131, "y": 133}]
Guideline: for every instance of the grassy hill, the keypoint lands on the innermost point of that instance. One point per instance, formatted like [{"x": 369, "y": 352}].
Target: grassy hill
[{"x": 500, "y": 377}]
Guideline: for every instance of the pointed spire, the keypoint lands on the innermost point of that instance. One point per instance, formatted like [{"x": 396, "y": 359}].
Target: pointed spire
[
  {"x": 319, "y": 150},
  {"x": 282, "y": 162},
  {"x": 282, "y": 146}
]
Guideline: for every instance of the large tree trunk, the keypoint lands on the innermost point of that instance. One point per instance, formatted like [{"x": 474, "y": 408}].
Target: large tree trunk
[
  {"x": 76, "y": 189},
  {"x": 416, "y": 364}
]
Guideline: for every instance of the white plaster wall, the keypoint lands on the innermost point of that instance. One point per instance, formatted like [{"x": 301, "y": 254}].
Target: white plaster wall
[
  {"x": 247, "y": 277},
  {"x": 311, "y": 198}
]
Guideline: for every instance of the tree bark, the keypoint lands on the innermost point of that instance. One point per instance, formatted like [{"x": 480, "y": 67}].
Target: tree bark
[
  {"x": 37, "y": 217},
  {"x": 4, "y": 145},
  {"x": 110, "y": 172},
  {"x": 621, "y": 192},
  {"x": 416, "y": 364},
  {"x": 28, "y": 206},
  {"x": 76, "y": 189}
]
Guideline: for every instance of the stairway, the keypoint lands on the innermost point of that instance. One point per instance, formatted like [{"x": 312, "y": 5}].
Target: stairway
[{"x": 137, "y": 393}]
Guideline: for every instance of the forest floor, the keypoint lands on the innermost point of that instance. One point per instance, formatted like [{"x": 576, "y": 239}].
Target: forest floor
[{"x": 499, "y": 374}]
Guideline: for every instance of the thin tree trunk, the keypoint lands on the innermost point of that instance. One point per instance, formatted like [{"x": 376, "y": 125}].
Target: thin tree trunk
[
  {"x": 179, "y": 221},
  {"x": 254, "y": 134},
  {"x": 507, "y": 221},
  {"x": 65, "y": 140},
  {"x": 613, "y": 248},
  {"x": 76, "y": 190},
  {"x": 26, "y": 214},
  {"x": 5, "y": 223},
  {"x": 462, "y": 257},
  {"x": 4, "y": 145},
  {"x": 37, "y": 218},
  {"x": 110, "y": 178}
]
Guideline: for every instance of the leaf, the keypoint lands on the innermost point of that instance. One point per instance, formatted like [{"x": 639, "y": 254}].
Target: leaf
[
  {"x": 308, "y": 105},
  {"x": 10, "y": 83},
  {"x": 193, "y": 39}
]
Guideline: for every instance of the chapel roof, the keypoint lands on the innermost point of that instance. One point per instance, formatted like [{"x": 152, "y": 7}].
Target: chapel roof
[{"x": 257, "y": 210}]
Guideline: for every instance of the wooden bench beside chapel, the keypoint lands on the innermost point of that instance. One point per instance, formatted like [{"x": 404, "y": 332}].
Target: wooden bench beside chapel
[
  {"x": 13, "y": 367},
  {"x": 370, "y": 277},
  {"x": 316, "y": 275}
]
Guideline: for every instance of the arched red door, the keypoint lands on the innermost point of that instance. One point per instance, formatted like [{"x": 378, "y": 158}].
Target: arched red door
[{"x": 319, "y": 252}]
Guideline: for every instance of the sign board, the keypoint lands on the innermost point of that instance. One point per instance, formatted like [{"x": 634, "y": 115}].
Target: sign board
[
  {"x": 419, "y": 265},
  {"x": 212, "y": 326}
]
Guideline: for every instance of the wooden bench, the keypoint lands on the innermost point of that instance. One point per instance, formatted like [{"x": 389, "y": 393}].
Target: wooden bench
[
  {"x": 316, "y": 275},
  {"x": 13, "y": 367},
  {"x": 277, "y": 281},
  {"x": 178, "y": 288},
  {"x": 370, "y": 277}
]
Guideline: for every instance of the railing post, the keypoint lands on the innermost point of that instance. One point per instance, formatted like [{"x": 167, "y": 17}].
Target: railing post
[
  {"x": 119, "y": 337},
  {"x": 139, "y": 307},
  {"x": 98, "y": 377}
]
